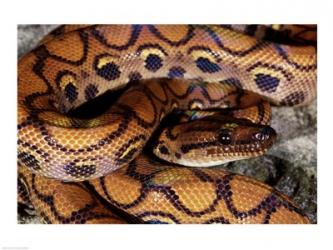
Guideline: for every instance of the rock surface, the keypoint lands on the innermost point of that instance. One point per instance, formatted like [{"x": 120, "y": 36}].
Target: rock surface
[{"x": 290, "y": 165}]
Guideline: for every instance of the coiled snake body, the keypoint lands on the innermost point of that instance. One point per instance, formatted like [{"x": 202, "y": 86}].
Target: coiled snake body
[{"x": 79, "y": 169}]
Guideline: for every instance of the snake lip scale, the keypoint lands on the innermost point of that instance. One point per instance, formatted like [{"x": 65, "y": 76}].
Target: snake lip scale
[{"x": 214, "y": 82}]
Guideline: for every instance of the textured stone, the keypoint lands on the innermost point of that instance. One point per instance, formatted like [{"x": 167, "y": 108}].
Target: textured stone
[{"x": 29, "y": 35}]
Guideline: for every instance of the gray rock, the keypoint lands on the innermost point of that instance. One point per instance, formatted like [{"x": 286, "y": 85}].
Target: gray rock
[{"x": 28, "y": 36}]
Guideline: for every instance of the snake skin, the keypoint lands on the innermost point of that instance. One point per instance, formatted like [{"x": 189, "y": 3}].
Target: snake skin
[{"x": 190, "y": 67}]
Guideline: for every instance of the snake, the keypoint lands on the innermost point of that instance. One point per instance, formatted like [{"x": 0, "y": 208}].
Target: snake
[{"x": 81, "y": 161}]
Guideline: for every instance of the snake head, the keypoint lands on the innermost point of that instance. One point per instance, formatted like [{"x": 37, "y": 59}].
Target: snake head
[{"x": 213, "y": 141}]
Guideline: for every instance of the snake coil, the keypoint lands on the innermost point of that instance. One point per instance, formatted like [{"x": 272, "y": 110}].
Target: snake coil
[{"x": 76, "y": 169}]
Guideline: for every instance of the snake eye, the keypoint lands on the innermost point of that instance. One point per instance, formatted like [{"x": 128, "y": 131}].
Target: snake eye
[{"x": 225, "y": 137}]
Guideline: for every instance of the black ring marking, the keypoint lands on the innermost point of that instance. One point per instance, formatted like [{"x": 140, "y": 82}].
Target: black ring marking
[
  {"x": 159, "y": 214},
  {"x": 85, "y": 41},
  {"x": 184, "y": 40},
  {"x": 206, "y": 49},
  {"x": 261, "y": 111},
  {"x": 218, "y": 42},
  {"x": 84, "y": 214},
  {"x": 259, "y": 64},
  {"x": 285, "y": 56},
  {"x": 151, "y": 46},
  {"x": 136, "y": 29},
  {"x": 109, "y": 71}
]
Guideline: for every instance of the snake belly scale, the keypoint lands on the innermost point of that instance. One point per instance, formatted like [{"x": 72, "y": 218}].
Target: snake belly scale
[{"x": 82, "y": 170}]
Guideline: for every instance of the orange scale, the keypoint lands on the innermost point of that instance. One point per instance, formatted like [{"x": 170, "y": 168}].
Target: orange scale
[
  {"x": 157, "y": 91},
  {"x": 171, "y": 176},
  {"x": 116, "y": 34},
  {"x": 285, "y": 216},
  {"x": 248, "y": 194},
  {"x": 64, "y": 48},
  {"x": 177, "y": 33},
  {"x": 26, "y": 77},
  {"x": 235, "y": 41},
  {"x": 258, "y": 219},
  {"x": 105, "y": 221},
  {"x": 221, "y": 209},
  {"x": 155, "y": 201},
  {"x": 116, "y": 185},
  {"x": 71, "y": 199},
  {"x": 296, "y": 54},
  {"x": 194, "y": 199},
  {"x": 147, "y": 169}
]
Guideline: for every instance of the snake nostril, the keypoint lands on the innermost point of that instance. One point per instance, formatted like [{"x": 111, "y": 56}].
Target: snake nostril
[
  {"x": 259, "y": 136},
  {"x": 264, "y": 134}
]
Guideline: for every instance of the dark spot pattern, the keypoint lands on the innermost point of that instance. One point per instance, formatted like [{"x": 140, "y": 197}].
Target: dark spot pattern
[
  {"x": 293, "y": 99},
  {"x": 29, "y": 160},
  {"x": 110, "y": 71},
  {"x": 163, "y": 150},
  {"x": 60, "y": 75},
  {"x": 90, "y": 91},
  {"x": 71, "y": 92},
  {"x": 84, "y": 74},
  {"x": 153, "y": 62},
  {"x": 267, "y": 83},
  {"x": 260, "y": 65},
  {"x": 79, "y": 170},
  {"x": 176, "y": 72},
  {"x": 134, "y": 76},
  {"x": 206, "y": 66}
]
